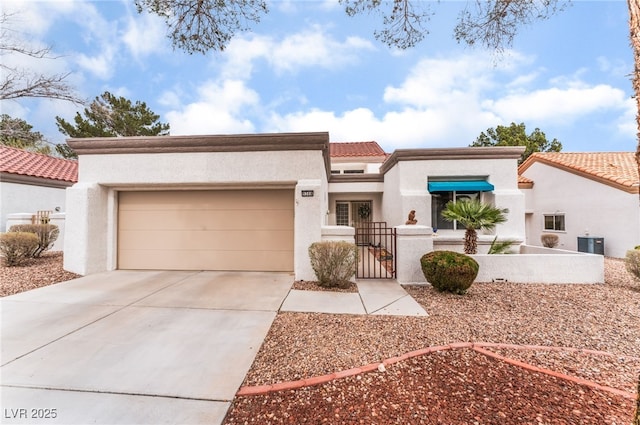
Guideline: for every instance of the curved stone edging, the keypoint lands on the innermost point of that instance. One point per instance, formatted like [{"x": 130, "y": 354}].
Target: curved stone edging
[{"x": 479, "y": 347}]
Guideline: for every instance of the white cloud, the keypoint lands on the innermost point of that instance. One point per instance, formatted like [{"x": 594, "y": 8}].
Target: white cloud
[
  {"x": 435, "y": 82},
  {"x": 615, "y": 67},
  {"x": 448, "y": 102},
  {"x": 311, "y": 48},
  {"x": 144, "y": 35},
  {"x": 219, "y": 109},
  {"x": 170, "y": 98},
  {"x": 556, "y": 104},
  {"x": 626, "y": 124},
  {"x": 100, "y": 65},
  {"x": 241, "y": 55}
]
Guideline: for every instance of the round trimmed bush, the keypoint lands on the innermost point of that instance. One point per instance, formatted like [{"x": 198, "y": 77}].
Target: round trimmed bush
[
  {"x": 15, "y": 247},
  {"x": 449, "y": 271},
  {"x": 334, "y": 262},
  {"x": 632, "y": 261}
]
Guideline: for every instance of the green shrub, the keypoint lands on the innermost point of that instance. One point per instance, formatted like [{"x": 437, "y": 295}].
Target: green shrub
[
  {"x": 501, "y": 247},
  {"x": 16, "y": 247},
  {"x": 549, "y": 240},
  {"x": 47, "y": 235},
  {"x": 632, "y": 262},
  {"x": 449, "y": 271},
  {"x": 333, "y": 262}
]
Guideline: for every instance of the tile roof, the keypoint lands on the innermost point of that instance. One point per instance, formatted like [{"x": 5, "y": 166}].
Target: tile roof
[
  {"x": 21, "y": 162},
  {"x": 618, "y": 169},
  {"x": 355, "y": 149},
  {"x": 524, "y": 183}
]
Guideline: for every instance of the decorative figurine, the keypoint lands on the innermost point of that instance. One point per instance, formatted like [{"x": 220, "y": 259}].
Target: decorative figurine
[{"x": 412, "y": 218}]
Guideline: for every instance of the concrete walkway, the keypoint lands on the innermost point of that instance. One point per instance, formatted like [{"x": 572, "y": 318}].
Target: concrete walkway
[
  {"x": 134, "y": 347},
  {"x": 383, "y": 297}
]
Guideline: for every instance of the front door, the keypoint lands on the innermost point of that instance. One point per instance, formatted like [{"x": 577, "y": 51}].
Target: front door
[{"x": 356, "y": 214}]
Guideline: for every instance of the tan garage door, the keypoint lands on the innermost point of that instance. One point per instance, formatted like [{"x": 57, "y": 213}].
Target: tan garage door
[{"x": 206, "y": 230}]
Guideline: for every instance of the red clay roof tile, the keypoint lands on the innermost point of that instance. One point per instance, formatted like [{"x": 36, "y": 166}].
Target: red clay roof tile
[
  {"x": 347, "y": 149},
  {"x": 616, "y": 168},
  {"x": 18, "y": 161}
]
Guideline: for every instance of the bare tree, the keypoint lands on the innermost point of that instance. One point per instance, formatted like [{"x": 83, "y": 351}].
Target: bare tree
[
  {"x": 19, "y": 82},
  {"x": 203, "y": 25},
  {"x": 403, "y": 27},
  {"x": 494, "y": 24}
]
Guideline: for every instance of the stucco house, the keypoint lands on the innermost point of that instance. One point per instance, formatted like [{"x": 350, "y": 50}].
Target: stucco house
[
  {"x": 257, "y": 202},
  {"x": 32, "y": 182},
  {"x": 589, "y": 199}
]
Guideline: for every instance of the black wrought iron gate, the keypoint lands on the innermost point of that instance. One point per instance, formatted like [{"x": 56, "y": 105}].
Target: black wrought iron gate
[{"x": 376, "y": 250}]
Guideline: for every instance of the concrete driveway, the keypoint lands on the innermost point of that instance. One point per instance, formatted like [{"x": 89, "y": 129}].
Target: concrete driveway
[{"x": 129, "y": 347}]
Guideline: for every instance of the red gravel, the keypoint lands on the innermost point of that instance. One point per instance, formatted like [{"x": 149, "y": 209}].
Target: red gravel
[
  {"x": 448, "y": 387},
  {"x": 34, "y": 273}
]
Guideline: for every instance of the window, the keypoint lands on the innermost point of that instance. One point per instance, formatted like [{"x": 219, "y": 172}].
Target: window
[
  {"x": 353, "y": 213},
  {"x": 342, "y": 213},
  {"x": 438, "y": 202},
  {"x": 554, "y": 222}
]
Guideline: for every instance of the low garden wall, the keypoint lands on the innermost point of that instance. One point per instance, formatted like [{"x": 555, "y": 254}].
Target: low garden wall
[
  {"x": 25, "y": 218},
  {"x": 541, "y": 265}
]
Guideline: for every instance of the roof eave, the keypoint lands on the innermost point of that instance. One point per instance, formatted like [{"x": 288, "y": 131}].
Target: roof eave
[
  {"x": 501, "y": 152},
  {"x": 205, "y": 143},
  {"x": 34, "y": 180}
]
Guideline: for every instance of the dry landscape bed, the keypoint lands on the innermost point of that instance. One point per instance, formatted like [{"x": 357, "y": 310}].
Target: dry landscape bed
[
  {"x": 447, "y": 387},
  {"x": 461, "y": 386}
]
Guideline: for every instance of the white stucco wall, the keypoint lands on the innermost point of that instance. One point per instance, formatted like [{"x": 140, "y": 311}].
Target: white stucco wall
[
  {"x": 375, "y": 198},
  {"x": 57, "y": 218},
  {"x": 26, "y": 198},
  {"x": 392, "y": 208},
  {"x": 541, "y": 265},
  {"x": 589, "y": 207},
  {"x": 406, "y": 189},
  {"x": 90, "y": 244},
  {"x": 413, "y": 241}
]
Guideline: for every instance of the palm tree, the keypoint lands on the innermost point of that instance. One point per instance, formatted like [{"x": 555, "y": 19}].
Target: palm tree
[{"x": 474, "y": 215}]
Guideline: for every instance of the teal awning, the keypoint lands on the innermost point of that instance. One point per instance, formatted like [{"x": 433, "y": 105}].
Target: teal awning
[{"x": 461, "y": 186}]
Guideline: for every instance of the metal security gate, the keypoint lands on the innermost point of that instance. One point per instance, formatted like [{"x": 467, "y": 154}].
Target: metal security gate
[{"x": 376, "y": 251}]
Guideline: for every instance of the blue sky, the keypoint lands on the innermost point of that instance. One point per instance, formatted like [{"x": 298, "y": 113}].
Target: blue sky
[{"x": 308, "y": 67}]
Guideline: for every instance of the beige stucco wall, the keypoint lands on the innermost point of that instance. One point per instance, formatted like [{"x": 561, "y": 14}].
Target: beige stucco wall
[
  {"x": 91, "y": 243},
  {"x": 590, "y": 207}
]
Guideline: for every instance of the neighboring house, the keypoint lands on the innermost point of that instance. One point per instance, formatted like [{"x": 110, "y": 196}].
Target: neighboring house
[
  {"x": 257, "y": 202},
  {"x": 32, "y": 182},
  {"x": 590, "y": 195}
]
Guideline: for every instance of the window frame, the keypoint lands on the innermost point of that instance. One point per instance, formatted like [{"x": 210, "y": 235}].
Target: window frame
[
  {"x": 558, "y": 219},
  {"x": 454, "y": 195}
]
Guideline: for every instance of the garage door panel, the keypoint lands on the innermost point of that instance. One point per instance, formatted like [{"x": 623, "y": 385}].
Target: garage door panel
[
  {"x": 207, "y": 260},
  {"x": 207, "y": 200},
  {"x": 205, "y": 219},
  {"x": 264, "y": 240},
  {"x": 206, "y": 230}
]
